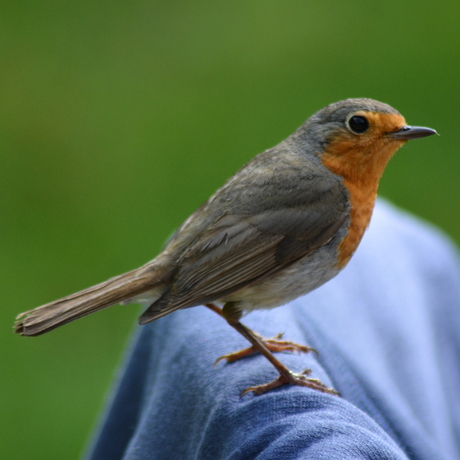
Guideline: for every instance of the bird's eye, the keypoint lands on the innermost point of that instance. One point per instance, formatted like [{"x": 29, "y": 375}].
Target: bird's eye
[{"x": 358, "y": 124}]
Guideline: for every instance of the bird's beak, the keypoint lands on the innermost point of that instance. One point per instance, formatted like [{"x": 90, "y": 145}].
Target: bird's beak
[{"x": 412, "y": 132}]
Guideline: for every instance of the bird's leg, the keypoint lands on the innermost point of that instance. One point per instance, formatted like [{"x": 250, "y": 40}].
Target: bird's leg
[
  {"x": 274, "y": 344},
  {"x": 232, "y": 316}
]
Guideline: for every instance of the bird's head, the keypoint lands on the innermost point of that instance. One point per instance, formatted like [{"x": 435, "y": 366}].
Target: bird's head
[{"x": 355, "y": 138}]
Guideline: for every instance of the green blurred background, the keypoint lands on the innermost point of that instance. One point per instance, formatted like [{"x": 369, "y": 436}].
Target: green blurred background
[{"x": 118, "y": 119}]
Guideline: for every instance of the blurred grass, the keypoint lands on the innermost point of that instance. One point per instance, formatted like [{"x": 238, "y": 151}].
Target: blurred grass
[{"x": 118, "y": 119}]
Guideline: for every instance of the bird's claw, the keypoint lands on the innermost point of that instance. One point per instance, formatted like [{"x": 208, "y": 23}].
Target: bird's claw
[
  {"x": 292, "y": 379},
  {"x": 274, "y": 344}
]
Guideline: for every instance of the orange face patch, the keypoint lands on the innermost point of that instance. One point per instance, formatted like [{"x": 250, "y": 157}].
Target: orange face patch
[{"x": 364, "y": 156}]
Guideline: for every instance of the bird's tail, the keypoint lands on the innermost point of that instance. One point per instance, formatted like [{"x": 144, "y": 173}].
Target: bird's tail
[{"x": 95, "y": 298}]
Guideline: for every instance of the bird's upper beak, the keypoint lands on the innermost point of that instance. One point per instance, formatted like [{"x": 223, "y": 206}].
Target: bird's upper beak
[{"x": 412, "y": 132}]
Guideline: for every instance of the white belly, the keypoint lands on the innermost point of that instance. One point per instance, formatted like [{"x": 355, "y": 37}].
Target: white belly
[{"x": 299, "y": 279}]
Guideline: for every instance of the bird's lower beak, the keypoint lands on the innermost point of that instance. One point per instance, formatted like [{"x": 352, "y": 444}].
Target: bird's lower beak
[{"x": 412, "y": 132}]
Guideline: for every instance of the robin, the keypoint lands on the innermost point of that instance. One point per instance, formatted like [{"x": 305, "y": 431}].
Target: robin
[{"x": 283, "y": 225}]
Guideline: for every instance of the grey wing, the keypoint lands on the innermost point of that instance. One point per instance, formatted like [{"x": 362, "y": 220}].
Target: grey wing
[{"x": 239, "y": 249}]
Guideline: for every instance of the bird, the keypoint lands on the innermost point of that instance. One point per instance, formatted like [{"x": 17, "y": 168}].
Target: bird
[{"x": 286, "y": 223}]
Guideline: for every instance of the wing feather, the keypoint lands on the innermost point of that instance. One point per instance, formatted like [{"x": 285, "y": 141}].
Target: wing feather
[{"x": 255, "y": 226}]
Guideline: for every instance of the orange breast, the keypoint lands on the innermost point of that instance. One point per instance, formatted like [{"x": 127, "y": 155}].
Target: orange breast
[
  {"x": 361, "y": 207},
  {"x": 360, "y": 162}
]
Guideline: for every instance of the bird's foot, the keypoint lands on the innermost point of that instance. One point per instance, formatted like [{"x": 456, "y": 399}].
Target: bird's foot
[
  {"x": 274, "y": 344},
  {"x": 265, "y": 347},
  {"x": 292, "y": 379}
]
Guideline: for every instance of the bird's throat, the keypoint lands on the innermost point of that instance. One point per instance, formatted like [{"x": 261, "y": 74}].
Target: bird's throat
[{"x": 362, "y": 184}]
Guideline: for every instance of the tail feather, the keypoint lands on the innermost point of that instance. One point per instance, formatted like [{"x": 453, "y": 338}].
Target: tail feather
[{"x": 95, "y": 298}]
